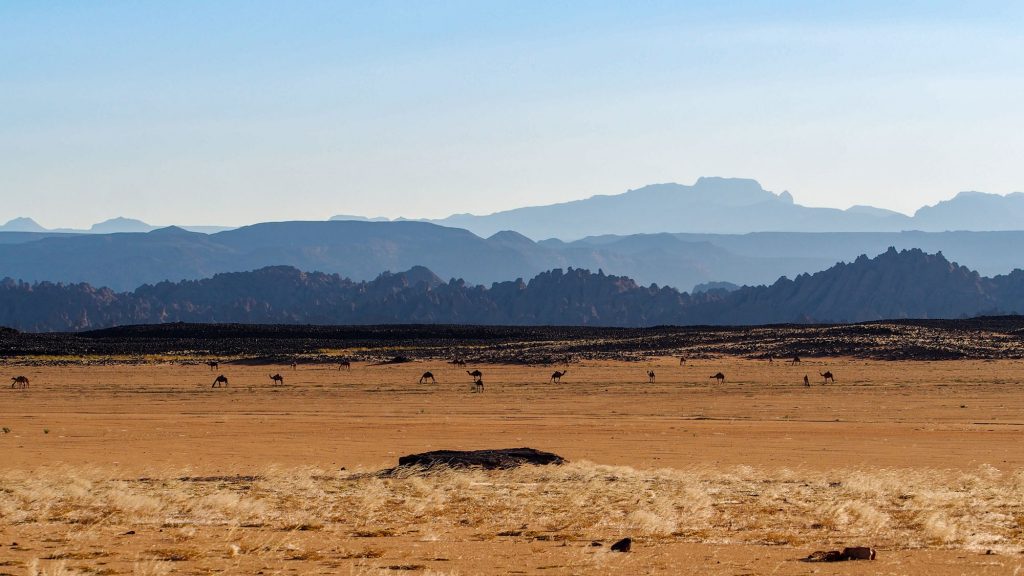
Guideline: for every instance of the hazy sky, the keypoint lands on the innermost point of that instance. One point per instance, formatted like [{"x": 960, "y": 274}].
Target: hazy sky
[{"x": 235, "y": 112}]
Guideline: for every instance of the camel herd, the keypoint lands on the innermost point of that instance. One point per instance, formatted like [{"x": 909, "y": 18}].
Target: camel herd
[{"x": 22, "y": 382}]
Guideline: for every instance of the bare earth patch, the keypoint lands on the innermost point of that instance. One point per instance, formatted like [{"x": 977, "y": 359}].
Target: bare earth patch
[{"x": 146, "y": 470}]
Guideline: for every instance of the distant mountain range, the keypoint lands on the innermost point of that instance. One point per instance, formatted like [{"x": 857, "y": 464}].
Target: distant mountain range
[
  {"x": 908, "y": 284},
  {"x": 362, "y": 250},
  {"x": 736, "y": 206},
  {"x": 710, "y": 206},
  {"x": 111, "y": 226}
]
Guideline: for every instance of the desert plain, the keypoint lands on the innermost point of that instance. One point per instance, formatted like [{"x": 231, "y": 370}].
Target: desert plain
[{"x": 145, "y": 468}]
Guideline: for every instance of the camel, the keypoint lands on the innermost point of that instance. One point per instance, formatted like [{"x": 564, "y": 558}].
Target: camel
[
  {"x": 770, "y": 359},
  {"x": 278, "y": 379},
  {"x": 295, "y": 365},
  {"x": 682, "y": 361},
  {"x": 557, "y": 376},
  {"x": 478, "y": 385},
  {"x": 720, "y": 377},
  {"x": 807, "y": 382},
  {"x": 19, "y": 381},
  {"x": 213, "y": 364},
  {"x": 222, "y": 379},
  {"x": 827, "y": 376},
  {"x": 345, "y": 364},
  {"x": 650, "y": 376},
  {"x": 795, "y": 360},
  {"x": 428, "y": 376},
  {"x": 476, "y": 374},
  {"x": 458, "y": 362}
]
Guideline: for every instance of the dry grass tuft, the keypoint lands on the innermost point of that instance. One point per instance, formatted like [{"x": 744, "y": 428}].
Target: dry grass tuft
[{"x": 889, "y": 508}]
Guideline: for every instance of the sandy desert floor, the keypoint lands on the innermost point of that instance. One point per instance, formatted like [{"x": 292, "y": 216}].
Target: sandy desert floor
[{"x": 149, "y": 470}]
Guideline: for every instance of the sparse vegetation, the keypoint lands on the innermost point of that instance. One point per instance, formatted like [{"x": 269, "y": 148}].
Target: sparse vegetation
[
  {"x": 892, "y": 508},
  {"x": 758, "y": 464}
]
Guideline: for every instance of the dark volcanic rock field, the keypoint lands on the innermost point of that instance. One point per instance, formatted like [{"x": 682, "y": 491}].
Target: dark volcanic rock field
[{"x": 979, "y": 338}]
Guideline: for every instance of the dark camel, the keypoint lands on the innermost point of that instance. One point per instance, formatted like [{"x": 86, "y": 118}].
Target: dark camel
[
  {"x": 682, "y": 361},
  {"x": 222, "y": 379},
  {"x": 278, "y": 379},
  {"x": 478, "y": 385},
  {"x": 459, "y": 362},
  {"x": 476, "y": 374},
  {"x": 807, "y": 382},
  {"x": 345, "y": 364},
  {"x": 213, "y": 364},
  {"x": 557, "y": 376},
  {"x": 428, "y": 376},
  {"x": 295, "y": 365},
  {"x": 827, "y": 376},
  {"x": 19, "y": 381},
  {"x": 795, "y": 360},
  {"x": 720, "y": 377},
  {"x": 650, "y": 376}
]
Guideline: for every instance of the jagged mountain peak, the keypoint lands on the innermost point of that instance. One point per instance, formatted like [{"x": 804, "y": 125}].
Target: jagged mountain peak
[{"x": 892, "y": 285}]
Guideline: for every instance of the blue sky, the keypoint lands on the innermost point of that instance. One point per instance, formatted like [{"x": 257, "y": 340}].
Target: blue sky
[{"x": 236, "y": 112}]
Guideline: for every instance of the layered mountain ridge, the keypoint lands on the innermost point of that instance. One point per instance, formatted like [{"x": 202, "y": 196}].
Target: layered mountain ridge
[
  {"x": 361, "y": 250},
  {"x": 736, "y": 206},
  {"x": 710, "y": 205},
  {"x": 895, "y": 284}
]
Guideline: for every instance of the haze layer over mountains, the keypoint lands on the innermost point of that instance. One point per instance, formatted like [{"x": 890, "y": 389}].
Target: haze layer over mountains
[
  {"x": 362, "y": 250},
  {"x": 736, "y": 206},
  {"x": 711, "y": 205},
  {"x": 667, "y": 234}
]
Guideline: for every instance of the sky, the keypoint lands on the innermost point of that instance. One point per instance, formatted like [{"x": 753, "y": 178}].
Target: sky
[{"x": 234, "y": 112}]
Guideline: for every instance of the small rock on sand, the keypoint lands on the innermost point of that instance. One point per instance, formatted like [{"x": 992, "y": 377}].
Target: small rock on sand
[
  {"x": 622, "y": 545},
  {"x": 850, "y": 553}
]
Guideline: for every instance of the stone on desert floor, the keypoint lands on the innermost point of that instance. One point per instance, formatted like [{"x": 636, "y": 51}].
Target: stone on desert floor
[
  {"x": 487, "y": 459},
  {"x": 850, "y": 553},
  {"x": 859, "y": 553}
]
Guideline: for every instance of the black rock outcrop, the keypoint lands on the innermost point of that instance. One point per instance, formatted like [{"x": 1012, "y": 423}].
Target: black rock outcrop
[{"x": 486, "y": 459}]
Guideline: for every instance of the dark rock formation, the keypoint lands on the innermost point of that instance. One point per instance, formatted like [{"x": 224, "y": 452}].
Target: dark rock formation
[
  {"x": 622, "y": 545},
  {"x": 894, "y": 285},
  {"x": 852, "y": 553},
  {"x": 486, "y": 459}
]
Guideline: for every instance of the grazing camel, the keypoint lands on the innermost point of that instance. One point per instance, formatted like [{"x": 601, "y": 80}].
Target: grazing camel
[
  {"x": 428, "y": 376},
  {"x": 807, "y": 382},
  {"x": 650, "y": 376},
  {"x": 19, "y": 381},
  {"x": 557, "y": 376},
  {"x": 278, "y": 379},
  {"x": 213, "y": 364},
  {"x": 222, "y": 379},
  {"x": 345, "y": 365},
  {"x": 476, "y": 374},
  {"x": 720, "y": 377},
  {"x": 795, "y": 360},
  {"x": 682, "y": 361},
  {"x": 478, "y": 385},
  {"x": 827, "y": 376}
]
